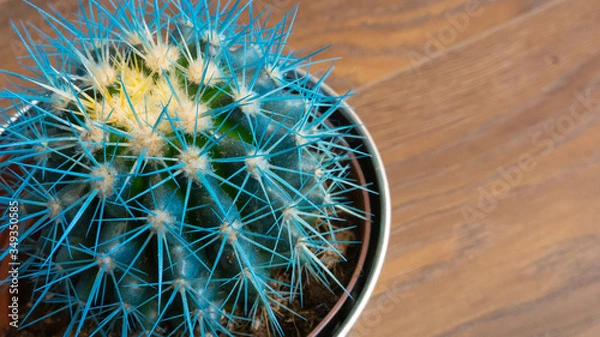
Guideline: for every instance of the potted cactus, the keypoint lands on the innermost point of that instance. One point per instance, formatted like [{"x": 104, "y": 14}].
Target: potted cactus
[{"x": 175, "y": 171}]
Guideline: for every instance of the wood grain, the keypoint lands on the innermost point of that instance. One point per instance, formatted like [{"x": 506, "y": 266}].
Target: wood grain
[
  {"x": 528, "y": 263},
  {"x": 373, "y": 38},
  {"x": 376, "y": 38},
  {"x": 490, "y": 130}
]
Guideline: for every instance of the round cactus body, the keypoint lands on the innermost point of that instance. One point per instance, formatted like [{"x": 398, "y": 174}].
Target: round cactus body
[{"x": 172, "y": 163}]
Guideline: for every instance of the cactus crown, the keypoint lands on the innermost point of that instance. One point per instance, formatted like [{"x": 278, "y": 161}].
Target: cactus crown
[{"x": 172, "y": 163}]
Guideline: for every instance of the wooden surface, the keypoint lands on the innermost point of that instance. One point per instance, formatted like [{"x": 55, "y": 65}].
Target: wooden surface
[{"x": 487, "y": 115}]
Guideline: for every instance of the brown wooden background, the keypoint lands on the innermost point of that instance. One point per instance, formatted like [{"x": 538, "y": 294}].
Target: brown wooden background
[{"x": 487, "y": 114}]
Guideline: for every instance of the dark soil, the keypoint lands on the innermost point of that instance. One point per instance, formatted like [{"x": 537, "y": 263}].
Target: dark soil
[
  {"x": 318, "y": 302},
  {"x": 318, "y": 299}
]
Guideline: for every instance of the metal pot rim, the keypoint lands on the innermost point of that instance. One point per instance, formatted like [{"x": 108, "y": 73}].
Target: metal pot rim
[{"x": 384, "y": 214}]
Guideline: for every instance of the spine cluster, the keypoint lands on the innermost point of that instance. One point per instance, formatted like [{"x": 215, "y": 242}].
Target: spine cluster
[{"x": 173, "y": 164}]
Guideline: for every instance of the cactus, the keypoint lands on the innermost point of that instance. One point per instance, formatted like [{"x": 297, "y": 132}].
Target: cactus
[{"x": 170, "y": 164}]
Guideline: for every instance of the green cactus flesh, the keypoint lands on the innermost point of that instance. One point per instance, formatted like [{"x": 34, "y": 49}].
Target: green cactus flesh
[{"x": 171, "y": 161}]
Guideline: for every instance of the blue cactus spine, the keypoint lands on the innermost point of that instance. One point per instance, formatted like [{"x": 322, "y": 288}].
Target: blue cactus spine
[{"x": 171, "y": 162}]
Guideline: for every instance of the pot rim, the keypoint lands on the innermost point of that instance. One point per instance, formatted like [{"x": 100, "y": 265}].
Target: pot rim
[{"x": 385, "y": 211}]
